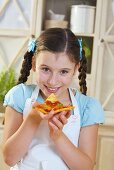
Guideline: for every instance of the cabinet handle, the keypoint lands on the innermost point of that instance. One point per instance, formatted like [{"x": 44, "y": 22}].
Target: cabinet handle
[
  {"x": 102, "y": 40},
  {"x": 33, "y": 36}
]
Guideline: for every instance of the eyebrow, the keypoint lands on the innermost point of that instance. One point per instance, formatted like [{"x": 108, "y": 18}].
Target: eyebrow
[{"x": 43, "y": 65}]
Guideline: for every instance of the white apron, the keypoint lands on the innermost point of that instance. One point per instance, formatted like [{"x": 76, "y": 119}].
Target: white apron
[{"x": 42, "y": 154}]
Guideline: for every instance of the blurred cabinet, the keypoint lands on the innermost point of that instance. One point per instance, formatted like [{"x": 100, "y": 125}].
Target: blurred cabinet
[
  {"x": 105, "y": 149},
  {"x": 104, "y": 83}
]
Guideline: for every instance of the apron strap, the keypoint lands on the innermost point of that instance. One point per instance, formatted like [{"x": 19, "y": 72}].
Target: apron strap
[
  {"x": 35, "y": 94},
  {"x": 74, "y": 102},
  {"x": 29, "y": 101}
]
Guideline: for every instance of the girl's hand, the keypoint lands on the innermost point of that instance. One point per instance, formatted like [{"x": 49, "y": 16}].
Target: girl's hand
[{"x": 56, "y": 124}]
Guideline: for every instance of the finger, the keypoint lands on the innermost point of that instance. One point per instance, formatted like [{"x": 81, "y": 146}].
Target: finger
[
  {"x": 64, "y": 112},
  {"x": 68, "y": 114},
  {"x": 42, "y": 115},
  {"x": 63, "y": 119},
  {"x": 53, "y": 126},
  {"x": 57, "y": 115},
  {"x": 50, "y": 114},
  {"x": 57, "y": 122},
  {"x": 47, "y": 116},
  {"x": 35, "y": 104}
]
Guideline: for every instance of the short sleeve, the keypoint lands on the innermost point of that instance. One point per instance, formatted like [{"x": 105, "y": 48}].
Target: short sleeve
[
  {"x": 17, "y": 96},
  {"x": 93, "y": 113}
]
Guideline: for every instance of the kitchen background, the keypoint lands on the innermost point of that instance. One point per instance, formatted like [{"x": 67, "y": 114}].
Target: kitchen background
[{"x": 93, "y": 21}]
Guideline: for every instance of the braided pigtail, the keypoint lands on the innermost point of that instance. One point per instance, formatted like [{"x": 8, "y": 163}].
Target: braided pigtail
[
  {"x": 82, "y": 74},
  {"x": 26, "y": 67},
  {"x": 27, "y": 63}
]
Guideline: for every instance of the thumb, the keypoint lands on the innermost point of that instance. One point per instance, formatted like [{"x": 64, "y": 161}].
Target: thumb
[{"x": 35, "y": 104}]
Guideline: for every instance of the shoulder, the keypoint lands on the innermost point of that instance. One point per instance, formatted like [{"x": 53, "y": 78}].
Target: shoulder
[
  {"x": 90, "y": 108},
  {"x": 21, "y": 90},
  {"x": 17, "y": 96}
]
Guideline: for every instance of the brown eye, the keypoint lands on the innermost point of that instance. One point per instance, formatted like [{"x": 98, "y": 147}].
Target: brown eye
[
  {"x": 64, "y": 72},
  {"x": 45, "y": 69}
]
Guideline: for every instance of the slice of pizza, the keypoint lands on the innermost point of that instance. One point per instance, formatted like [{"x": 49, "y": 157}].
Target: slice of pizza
[{"x": 52, "y": 103}]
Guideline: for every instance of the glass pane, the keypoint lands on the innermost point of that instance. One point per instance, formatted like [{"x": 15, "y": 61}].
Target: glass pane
[
  {"x": 16, "y": 14},
  {"x": 110, "y": 20},
  {"x": 9, "y": 49},
  {"x": 1, "y": 2}
]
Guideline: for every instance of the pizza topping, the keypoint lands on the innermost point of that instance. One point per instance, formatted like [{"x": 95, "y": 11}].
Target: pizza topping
[
  {"x": 52, "y": 98},
  {"x": 45, "y": 106},
  {"x": 60, "y": 105},
  {"x": 49, "y": 103}
]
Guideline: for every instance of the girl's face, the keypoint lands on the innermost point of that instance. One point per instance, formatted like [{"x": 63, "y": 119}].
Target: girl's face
[{"x": 54, "y": 72}]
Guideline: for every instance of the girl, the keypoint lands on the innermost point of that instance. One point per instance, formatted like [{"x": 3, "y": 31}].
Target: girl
[{"x": 67, "y": 140}]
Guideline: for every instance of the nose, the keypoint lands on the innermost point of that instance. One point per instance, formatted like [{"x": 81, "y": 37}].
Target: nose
[{"x": 53, "y": 79}]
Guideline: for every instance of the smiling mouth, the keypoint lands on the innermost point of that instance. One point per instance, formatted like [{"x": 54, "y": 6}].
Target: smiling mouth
[{"x": 52, "y": 90}]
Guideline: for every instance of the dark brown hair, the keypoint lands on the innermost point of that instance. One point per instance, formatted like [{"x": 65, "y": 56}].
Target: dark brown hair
[{"x": 57, "y": 40}]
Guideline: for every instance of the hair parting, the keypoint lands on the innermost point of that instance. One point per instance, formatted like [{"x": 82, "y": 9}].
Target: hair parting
[{"x": 66, "y": 45}]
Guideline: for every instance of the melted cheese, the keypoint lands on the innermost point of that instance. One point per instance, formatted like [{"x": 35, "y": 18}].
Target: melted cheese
[{"x": 52, "y": 98}]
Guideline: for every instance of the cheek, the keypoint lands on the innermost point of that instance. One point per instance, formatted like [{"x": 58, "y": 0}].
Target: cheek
[
  {"x": 41, "y": 77},
  {"x": 66, "y": 80}
]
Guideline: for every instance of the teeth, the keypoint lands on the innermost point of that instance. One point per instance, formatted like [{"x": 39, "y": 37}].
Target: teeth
[{"x": 52, "y": 89}]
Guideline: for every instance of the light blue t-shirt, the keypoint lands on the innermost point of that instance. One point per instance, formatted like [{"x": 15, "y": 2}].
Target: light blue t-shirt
[{"x": 90, "y": 109}]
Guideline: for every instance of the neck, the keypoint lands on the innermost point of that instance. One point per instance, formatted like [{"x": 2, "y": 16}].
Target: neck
[{"x": 65, "y": 98}]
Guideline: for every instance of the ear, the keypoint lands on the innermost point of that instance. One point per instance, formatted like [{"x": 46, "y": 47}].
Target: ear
[{"x": 34, "y": 63}]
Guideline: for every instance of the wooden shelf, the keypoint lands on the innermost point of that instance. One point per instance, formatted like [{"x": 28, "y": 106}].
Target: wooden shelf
[
  {"x": 14, "y": 32},
  {"x": 85, "y": 34}
]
